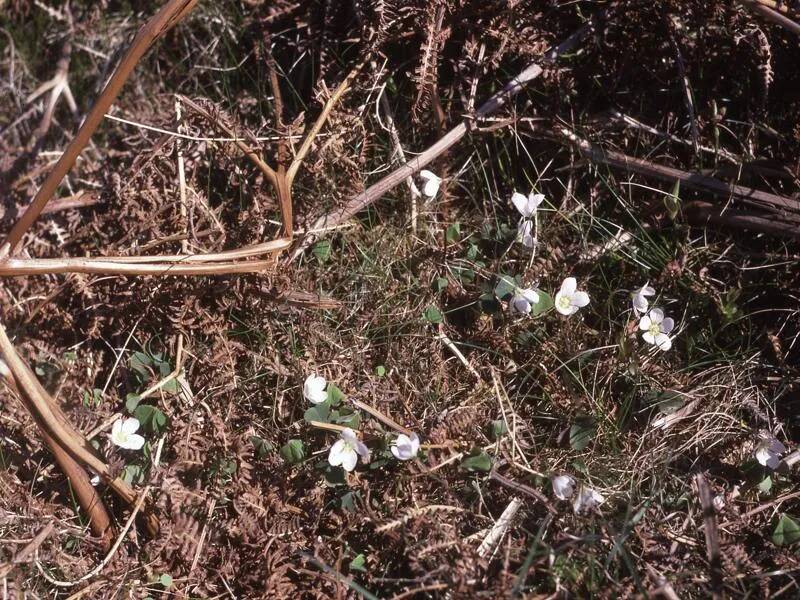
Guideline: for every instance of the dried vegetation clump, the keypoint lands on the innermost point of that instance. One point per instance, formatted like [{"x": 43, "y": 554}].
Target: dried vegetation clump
[{"x": 706, "y": 89}]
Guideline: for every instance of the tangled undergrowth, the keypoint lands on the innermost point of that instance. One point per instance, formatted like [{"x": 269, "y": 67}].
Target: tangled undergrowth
[{"x": 405, "y": 308}]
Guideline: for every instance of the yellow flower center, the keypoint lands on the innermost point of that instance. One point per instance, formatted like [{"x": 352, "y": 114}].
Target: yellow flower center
[{"x": 565, "y": 302}]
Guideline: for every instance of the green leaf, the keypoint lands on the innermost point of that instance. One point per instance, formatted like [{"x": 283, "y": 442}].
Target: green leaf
[
  {"x": 132, "y": 401},
  {"x": 380, "y": 371},
  {"x": 319, "y": 412},
  {"x": 506, "y": 286},
  {"x": 165, "y": 580},
  {"x": 787, "y": 531},
  {"x": 477, "y": 461},
  {"x": 132, "y": 474},
  {"x": 544, "y": 304},
  {"x": 348, "y": 500},
  {"x": 581, "y": 433},
  {"x": 672, "y": 202},
  {"x": 335, "y": 395},
  {"x": 452, "y": 233},
  {"x": 766, "y": 484},
  {"x": 150, "y": 418},
  {"x": 261, "y": 446},
  {"x": 440, "y": 284},
  {"x": 293, "y": 451},
  {"x": 357, "y": 564},
  {"x": 498, "y": 429},
  {"x": 348, "y": 418},
  {"x": 433, "y": 315},
  {"x": 322, "y": 251},
  {"x": 472, "y": 252},
  {"x": 139, "y": 362}
]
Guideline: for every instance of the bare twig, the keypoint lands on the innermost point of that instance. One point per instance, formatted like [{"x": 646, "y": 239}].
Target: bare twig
[
  {"x": 522, "y": 489},
  {"x": 763, "y": 200},
  {"x": 711, "y": 532},
  {"x": 158, "y": 25},
  {"x": 701, "y": 214},
  {"x": 762, "y": 8}
]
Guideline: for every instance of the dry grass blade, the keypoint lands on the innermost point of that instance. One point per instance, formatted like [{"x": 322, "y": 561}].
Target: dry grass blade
[
  {"x": 157, "y": 26},
  {"x": 711, "y": 532},
  {"x": 17, "y": 267}
]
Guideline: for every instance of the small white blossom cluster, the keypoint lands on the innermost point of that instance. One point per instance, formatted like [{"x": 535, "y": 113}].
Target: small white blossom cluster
[
  {"x": 586, "y": 500},
  {"x": 123, "y": 434},
  {"x": 346, "y": 451},
  {"x": 655, "y": 325}
]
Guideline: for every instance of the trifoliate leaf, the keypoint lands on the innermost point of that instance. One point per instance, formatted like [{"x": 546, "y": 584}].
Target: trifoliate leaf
[
  {"x": 150, "y": 418},
  {"x": 293, "y": 451},
  {"x": 477, "y": 461},
  {"x": 787, "y": 531},
  {"x": 433, "y": 315}
]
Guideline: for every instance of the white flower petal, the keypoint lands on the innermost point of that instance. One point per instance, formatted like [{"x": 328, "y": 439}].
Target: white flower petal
[
  {"x": 568, "y": 286},
  {"x": 776, "y": 446},
  {"x": 530, "y": 295},
  {"x": 580, "y": 299},
  {"x": 414, "y": 439},
  {"x": 667, "y": 325},
  {"x": 534, "y": 200},
  {"x": 519, "y": 304},
  {"x": 130, "y": 425},
  {"x": 349, "y": 460},
  {"x": 337, "y": 452},
  {"x": 563, "y": 307},
  {"x": 349, "y": 436},
  {"x": 521, "y": 204},
  {"x": 640, "y": 303},
  {"x": 134, "y": 442},
  {"x": 663, "y": 341},
  {"x": 563, "y": 486},
  {"x": 432, "y": 182},
  {"x": 525, "y": 233},
  {"x": 647, "y": 290},
  {"x": 587, "y": 500},
  {"x": 314, "y": 389},
  {"x": 644, "y": 323},
  {"x": 656, "y": 316},
  {"x": 399, "y": 453},
  {"x": 362, "y": 450},
  {"x": 116, "y": 428},
  {"x": 649, "y": 337}
]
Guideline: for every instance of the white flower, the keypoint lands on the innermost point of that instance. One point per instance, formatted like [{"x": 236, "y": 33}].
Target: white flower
[
  {"x": 95, "y": 480},
  {"x": 123, "y": 434},
  {"x": 405, "y": 447},
  {"x": 639, "y": 298},
  {"x": 718, "y": 502},
  {"x": 569, "y": 299},
  {"x": 769, "y": 451},
  {"x": 563, "y": 486},
  {"x": 314, "y": 389},
  {"x": 527, "y": 206},
  {"x": 525, "y": 233},
  {"x": 587, "y": 500},
  {"x": 345, "y": 452},
  {"x": 523, "y": 300},
  {"x": 656, "y": 329},
  {"x": 432, "y": 183}
]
